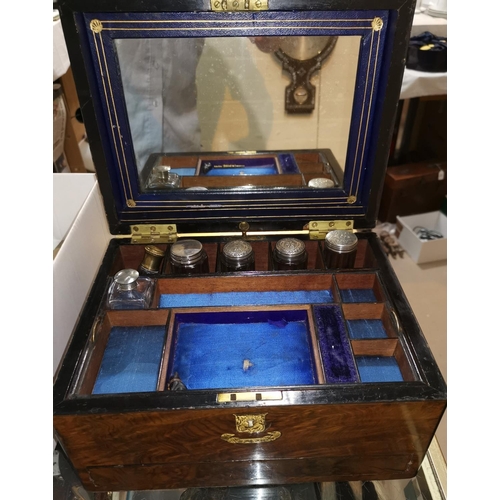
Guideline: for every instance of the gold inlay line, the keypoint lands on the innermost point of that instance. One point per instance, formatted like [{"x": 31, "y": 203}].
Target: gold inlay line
[
  {"x": 116, "y": 120},
  {"x": 369, "y": 108},
  {"x": 252, "y": 27},
  {"x": 233, "y": 21},
  {"x": 109, "y": 112}
]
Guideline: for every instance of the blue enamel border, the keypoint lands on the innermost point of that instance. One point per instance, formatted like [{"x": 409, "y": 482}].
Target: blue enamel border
[{"x": 132, "y": 206}]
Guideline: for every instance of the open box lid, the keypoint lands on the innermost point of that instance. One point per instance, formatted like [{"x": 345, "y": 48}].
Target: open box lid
[{"x": 249, "y": 105}]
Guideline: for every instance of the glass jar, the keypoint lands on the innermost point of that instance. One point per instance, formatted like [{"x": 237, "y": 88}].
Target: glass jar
[
  {"x": 340, "y": 249},
  {"x": 151, "y": 263},
  {"x": 289, "y": 254},
  {"x": 237, "y": 255},
  {"x": 162, "y": 178},
  {"x": 188, "y": 257},
  {"x": 130, "y": 291}
]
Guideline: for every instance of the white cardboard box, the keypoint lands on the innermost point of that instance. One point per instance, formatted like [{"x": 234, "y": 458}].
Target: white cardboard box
[
  {"x": 422, "y": 251},
  {"x": 80, "y": 222}
]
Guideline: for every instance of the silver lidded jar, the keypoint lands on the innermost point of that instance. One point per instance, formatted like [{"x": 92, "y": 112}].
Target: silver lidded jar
[
  {"x": 237, "y": 255},
  {"x": 188, "y": 257},
  {"x": 130, "y": 291},
  {"x": 340, "y": 249},
  {"x": 162, "y": 178},
  {"x": 289, "y": 254}
]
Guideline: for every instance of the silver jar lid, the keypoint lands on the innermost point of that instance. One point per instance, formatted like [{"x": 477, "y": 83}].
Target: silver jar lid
[
  {"x": 341, "y": 241},
  {"x": 290, "y": 248},
  {"x": 237, "y": 250},
  {"x": 321, "y": 182},
  {"x": 186, "y": 251},
  {"x": 126, "y": 279}
]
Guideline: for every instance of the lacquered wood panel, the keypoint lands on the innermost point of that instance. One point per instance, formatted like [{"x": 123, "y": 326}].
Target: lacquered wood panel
[
  {"x": 309, "y": 431},
  {"x": 220, "y": 474}
]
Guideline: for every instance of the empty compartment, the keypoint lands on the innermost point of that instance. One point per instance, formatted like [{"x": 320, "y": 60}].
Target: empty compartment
[
  {"x": 359, "y": 288},
  {"x": 381, "y": 361},
  {"x": 125, "y": 353},
  {"x": 241, "y": 348},
  {"x": 246, "y": 290},
  {"x": 368, "y": 321}
]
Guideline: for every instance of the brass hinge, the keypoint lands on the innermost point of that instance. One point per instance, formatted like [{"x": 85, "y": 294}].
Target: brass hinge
[
  {"x": 320, "y": 228},
  {"x": 238, "y": 5},
  {"x": 154, "y": 233}
]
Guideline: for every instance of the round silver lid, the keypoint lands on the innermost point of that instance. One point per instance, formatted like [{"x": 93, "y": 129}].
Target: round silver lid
[
  {"x": 290, "y": 247},
  {"x": 321, "y": 182},
  {"x": 186, "y": 251},
  {"x": 341, "y": 241},
  {"x": 237, "y": 250},
  {"x": 126, "y": 279}
]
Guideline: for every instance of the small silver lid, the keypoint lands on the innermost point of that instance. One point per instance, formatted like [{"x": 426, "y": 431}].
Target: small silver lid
[
  {"x": 237, "y": 250},
  {"x": 341, "y": 241},
  {"x": 186, "y": 251},
  {"x": 126, "y": 279},
  {"x": 290, "y": 247},
  {"x": 321, "y": 182}
]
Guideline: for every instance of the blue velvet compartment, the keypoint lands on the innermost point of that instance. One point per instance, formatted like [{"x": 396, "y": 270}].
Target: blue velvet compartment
[
  {"x": 184, "y": 171},
  {"x": 131, "y": 361},
  {"x": 366, "y": 329},
  {"x": 335, "y": 348},
  {"x": 245, "y": 298},
  {"x": 358, "y": 295},
  {"x": 379, "y": 369},
  {"x": 242, "y": 349}
]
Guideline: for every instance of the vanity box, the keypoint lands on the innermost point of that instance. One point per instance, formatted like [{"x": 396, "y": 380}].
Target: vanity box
[{"x": 254, "y": 120}]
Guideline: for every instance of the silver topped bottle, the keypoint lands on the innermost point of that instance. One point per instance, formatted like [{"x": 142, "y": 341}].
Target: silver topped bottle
[
  {"x": 188, "y": 257},
  {"x": 237, "y": 255},
  {"x": 162, "y": 178},
  {"x": 289, "y": 254},
  {"x": 130, "y": 291},
  {"x": 340, "y": 249}
]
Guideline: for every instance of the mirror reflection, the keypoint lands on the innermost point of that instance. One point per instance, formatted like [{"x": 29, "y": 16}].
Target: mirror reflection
[{"x": 239, "y": 112}]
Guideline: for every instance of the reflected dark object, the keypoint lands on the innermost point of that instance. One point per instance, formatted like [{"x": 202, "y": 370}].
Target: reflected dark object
[
  {"x": 340, "y": 249},
  {"x": 130, "y": 291},
  {"x": 151, "y": 263},
  {"x": 237, "y": 255},
  {"x": 302, "y": 57},
  {"x": 428, "y": 53},
  {"x": 289, "y": 254},
  {"x": 188, "y": 257},
  {"x": 175, "y": 383}
]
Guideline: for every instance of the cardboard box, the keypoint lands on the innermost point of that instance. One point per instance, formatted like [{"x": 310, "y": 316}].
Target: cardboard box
[
  {"x": 423, "y": 251},
  {"x": 81, "y": 231}
]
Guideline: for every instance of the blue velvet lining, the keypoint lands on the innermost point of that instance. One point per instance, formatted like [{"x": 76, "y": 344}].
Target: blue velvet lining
[
  {"x": 358, "y": 295},
  {"x": 366, "y": 329},
  {"x": 131, "y": 361},
  {"x": 184, "y": 171},
  {"x": 242, "y": 349},
  {"x": 245, "y": 298},
  {"x": 338, "y": 361},
  {"x": 379, "y": 369}
]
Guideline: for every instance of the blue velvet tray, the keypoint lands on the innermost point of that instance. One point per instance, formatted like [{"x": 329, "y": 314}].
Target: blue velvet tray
[
  {"x": 245, "y": 298},
  {"x": 358, "y": 295},
  {"x": 233, "y": 349},
  {"x": 366, "y": 329},
  {"x": 379, "y": 369},
  {"x": 131, "y": 360}
]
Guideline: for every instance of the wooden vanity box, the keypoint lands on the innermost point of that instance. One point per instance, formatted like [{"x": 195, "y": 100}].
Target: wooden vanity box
[{"x": 291, "y": 376}]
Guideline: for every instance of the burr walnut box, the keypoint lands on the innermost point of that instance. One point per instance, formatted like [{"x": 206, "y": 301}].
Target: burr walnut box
[{"x": 220, "y": 343}]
